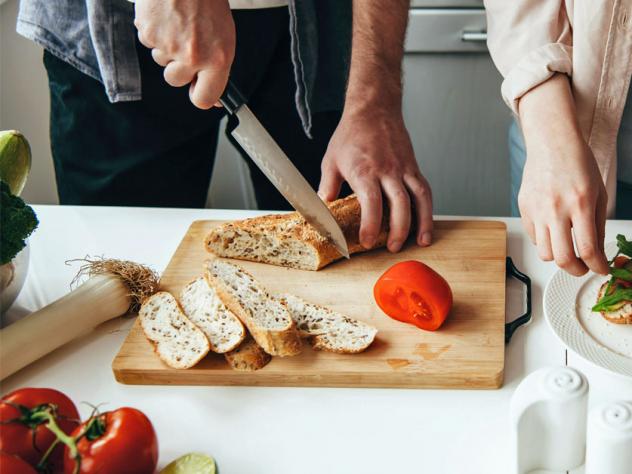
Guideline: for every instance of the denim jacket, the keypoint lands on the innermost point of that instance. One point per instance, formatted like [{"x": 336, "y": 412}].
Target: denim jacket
[{"x": 98, "y": 38}]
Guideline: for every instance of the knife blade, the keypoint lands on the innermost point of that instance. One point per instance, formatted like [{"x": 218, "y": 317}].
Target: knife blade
[{"x": 274, "y": 163}]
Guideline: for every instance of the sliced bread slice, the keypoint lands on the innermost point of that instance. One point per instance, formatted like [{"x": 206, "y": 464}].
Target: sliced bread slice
[
  {"x": 178, "y": 342},
  {"x": 203, "y": 307},
  {"x": 621, "y": 315},
  {"x": 329, "y": 330},
  {"x": 266, "y": 318},
  {"x": 249, "y": 356},
  {"x": 288, "y": 240}
]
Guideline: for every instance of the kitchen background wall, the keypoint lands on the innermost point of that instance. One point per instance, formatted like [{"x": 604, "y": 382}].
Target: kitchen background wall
[{"x": 452, "y": 106}]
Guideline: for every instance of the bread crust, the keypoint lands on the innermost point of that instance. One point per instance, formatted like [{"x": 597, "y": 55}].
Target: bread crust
[
  {"x": 248, "y": 356},
  {"x": 284, "y": 342},
  {"x": 626, "y": 319},
  {"x": 292, "y": 226}
]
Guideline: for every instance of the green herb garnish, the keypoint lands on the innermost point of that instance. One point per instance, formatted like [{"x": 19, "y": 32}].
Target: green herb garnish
[{"x": 610, "y": 302}]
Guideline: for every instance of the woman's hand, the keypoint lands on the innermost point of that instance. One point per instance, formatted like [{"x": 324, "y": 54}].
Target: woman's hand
[
  {"x": 562, "y": 193},
  {"x": 193, "y": 40}
]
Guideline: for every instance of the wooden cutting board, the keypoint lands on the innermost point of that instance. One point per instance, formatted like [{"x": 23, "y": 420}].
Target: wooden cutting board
[{"x": 467, "y": 352}]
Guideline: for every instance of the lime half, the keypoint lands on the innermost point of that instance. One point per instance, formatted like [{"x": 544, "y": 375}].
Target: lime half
[
  {"x": 15, "y": 160},
  {"x": 192, "y": 463}
]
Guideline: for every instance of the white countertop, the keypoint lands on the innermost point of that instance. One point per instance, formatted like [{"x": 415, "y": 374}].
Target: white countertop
[{"x": 287, "y": 430}]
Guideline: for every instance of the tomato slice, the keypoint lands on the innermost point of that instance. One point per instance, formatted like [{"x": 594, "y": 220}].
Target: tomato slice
[
  {"x": 620, "y": 261},
  {"x": 414, "y": 293}
]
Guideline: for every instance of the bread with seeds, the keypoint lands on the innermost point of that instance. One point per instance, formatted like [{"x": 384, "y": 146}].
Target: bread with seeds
[
  {"x": 288, "y": 240},
  {"x": 203, "y": 307},
  {"x": 267, "y": 319},
  {"x": 176, "y": 340},
  {"x": 249, "y": 356},
  {"x": 329, "y": 330}
]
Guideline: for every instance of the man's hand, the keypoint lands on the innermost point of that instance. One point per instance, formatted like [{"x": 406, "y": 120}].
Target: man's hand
[
  {"x": 371, "y": 149},
  {"x": 562, "y": 192},
  {"x": 193, "y": 40},
  {"x": 373, "y": 153}
]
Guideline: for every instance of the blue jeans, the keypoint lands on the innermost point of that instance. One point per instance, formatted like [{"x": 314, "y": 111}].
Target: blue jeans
[{"x": 518, "y": 157}]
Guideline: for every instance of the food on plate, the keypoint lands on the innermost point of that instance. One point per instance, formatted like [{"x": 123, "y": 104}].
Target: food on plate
[
  {"x": 192, "y": 463},
  {"x": 288, "y": 240},
  {"x": 122, "y": 441},
  {"x": 113, "y": 288},
  {"x": 203, "y": 307},
  {"x": 249, "y": 356},
  {"x": 414, "y": 293},
  {"x": 267, "y": 319},
  {"x": 614, "y": 300},
  {"x": 12, "y": 464},
  {"x": 24, "y": 415},
  {"x": 178, "y": 342},
  {"x": 329, "y": 330}
]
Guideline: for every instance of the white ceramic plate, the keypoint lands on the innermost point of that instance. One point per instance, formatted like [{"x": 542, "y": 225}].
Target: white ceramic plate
[{"x": 567, "y": 303}]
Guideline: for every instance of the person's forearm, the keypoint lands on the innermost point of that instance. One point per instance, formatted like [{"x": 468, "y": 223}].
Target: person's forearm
[
  {"x": 379, "y": 29},
  {"x": 548, "y": 115}
]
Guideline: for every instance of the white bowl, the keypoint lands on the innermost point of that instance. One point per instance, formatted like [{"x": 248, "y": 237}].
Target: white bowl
[{"x": 13, "y": 275}]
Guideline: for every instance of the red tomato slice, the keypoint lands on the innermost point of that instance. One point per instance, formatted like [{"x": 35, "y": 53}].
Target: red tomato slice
[
  {"x": 620, "y": 261},
  {"x": 122, "y": 441},
  {"x": 414, "y": 293},
  {"x": 12, "y": 464},
  {"x": 22, "y": 434}
]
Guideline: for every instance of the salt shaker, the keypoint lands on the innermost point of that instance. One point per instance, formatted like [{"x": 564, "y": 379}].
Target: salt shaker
[
  {"x": 609, "y": 439},
  {"x": 548, "y": 417}
]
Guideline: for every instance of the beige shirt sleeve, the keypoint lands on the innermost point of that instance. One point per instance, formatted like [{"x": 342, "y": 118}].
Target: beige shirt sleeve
[{"x": 529, "y": 40}]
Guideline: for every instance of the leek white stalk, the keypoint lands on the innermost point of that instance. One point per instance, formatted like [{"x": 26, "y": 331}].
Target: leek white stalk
[{"x": 114, "y": 287}]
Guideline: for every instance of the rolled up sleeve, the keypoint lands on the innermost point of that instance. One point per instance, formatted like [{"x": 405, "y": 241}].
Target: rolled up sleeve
[{"x": 529, "y": 41}]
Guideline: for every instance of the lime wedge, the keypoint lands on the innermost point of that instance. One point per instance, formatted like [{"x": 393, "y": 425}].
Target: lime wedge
[
  {"x": 15, "y": 160},
  {"x": 192, "y": 463}
]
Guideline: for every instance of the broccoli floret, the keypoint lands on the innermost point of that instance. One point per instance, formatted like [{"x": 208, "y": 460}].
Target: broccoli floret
[{"x": 17, "y": 222}]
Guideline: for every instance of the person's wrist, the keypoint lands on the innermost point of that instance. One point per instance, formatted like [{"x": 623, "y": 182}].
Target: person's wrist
[{"x": 365, "y": 98}]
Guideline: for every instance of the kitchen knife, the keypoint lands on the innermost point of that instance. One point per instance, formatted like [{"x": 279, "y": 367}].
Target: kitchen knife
[{"x": 278, "y": 168}]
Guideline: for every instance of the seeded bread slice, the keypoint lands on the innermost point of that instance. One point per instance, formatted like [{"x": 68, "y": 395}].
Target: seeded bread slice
[
  {"x": 329, "y": 330},
  {"x": 249, "y": 356},
  {"x": 203, "y": 307},
  {"x": 622, "y": 315},
  {"x": 266, "y": 318},
  {"x": 288, "y": 240},
  {"x": 178, "y": 342}
]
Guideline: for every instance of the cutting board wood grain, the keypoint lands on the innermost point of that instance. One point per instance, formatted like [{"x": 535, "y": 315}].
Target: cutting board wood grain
[{"x": 467, "y": 352}]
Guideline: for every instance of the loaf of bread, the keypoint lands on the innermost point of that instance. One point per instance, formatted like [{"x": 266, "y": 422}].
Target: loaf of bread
[
  {"x": 622, "y": 315},
  {"x": 203, "y": 307},
  {"x": 178, "y": 342},
  {"x": 329, "y": 330},
  {"x": 288, "y": 240},
  {"x": 248, "y": 356},
  {"x": 268, "y": 321}
]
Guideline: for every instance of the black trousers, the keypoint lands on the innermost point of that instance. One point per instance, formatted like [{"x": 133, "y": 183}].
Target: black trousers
[{"x": 159, "y": 151}]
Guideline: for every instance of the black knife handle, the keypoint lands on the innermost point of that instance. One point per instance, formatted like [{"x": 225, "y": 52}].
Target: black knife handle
[{"x": 232, "y": 99}]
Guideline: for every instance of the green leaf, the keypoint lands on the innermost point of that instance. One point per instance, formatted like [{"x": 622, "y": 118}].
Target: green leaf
[
  {"x": 621, "y": 274},
  {"x": 608, "y": 302},
  {"x": 625, "y": 246}
]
